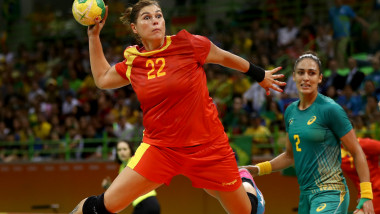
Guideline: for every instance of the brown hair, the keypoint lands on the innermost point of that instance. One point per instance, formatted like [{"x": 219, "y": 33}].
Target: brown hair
[
  {"x": 130, "y": 14},
  {"x": 311, "y": 55}
]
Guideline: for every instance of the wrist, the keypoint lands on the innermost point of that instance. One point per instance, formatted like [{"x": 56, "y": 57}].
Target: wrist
[
  {"x": 255, "y": 72},
  {"x": 264, "y": 168},
  {"x": 366, "y": 190}
]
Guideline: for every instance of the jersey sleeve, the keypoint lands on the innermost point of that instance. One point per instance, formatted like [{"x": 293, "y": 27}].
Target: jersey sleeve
[
  {"x": 122, "y": 68},
  {"x": 201, "y": 46},
  {"x": 370, "y": 147},
  {"x": 337, "y": 120}
]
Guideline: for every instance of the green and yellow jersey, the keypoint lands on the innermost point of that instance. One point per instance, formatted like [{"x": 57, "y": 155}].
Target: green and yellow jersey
[{"x": 315, "y": 137}]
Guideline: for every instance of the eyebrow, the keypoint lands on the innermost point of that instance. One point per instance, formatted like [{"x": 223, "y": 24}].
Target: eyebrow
[
  {"x": 157, "y": 11},
  {"x": 307, "y": 69}
]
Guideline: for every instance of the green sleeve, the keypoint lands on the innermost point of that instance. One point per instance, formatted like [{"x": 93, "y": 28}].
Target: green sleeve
[{"x": 337, "y": 120}]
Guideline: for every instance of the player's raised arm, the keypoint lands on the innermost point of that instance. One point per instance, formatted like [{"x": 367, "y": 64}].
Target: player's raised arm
[
  {"x": 267, "y": 79},
  {"x": 104, "y": 74}
]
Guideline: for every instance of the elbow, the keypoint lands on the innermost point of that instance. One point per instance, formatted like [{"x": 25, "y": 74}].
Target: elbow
[{"x": 100, "y": 84}]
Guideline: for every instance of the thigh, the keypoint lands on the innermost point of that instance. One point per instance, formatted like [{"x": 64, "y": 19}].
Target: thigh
[
  {"x": 127, "y": 186},
  {"x": 234, "y": 202},
  {"x": 328, "y": 202}
]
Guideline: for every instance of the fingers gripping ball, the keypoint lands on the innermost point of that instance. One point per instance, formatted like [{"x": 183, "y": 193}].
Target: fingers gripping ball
[{"x": 86, "y": 11}]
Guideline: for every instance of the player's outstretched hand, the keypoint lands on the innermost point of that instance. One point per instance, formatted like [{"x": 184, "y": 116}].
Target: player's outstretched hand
[
  {"x": 270, "y": 81},
  {"x": 254, "y": 170},
  {"x": 94, "y": 30}
]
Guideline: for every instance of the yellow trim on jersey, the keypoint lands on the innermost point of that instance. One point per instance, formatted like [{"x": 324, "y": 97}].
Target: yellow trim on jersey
[
  {"x": 131, "y": 53},
  {"x": 134, "y": 51},
  {"x": 129, "y": 62},
  {"x": 139, "y": 153}
]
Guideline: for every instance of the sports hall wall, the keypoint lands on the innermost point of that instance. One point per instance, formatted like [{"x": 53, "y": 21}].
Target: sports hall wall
[{"x": 33, "y": 187}]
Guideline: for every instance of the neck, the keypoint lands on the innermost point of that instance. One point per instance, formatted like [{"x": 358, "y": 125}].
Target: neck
[
  {"x": 306, "y": 100},
  {"x": 153, "y": 44}
]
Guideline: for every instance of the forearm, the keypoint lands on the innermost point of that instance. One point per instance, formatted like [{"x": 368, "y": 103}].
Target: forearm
[
  {"x": 98, "y": 61},
  {"x": 361, "y": 166},
  {"x": 282, "y": 161}
]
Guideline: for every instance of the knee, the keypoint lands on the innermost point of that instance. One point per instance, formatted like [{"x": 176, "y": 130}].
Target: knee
[{"x": 95, "y": 205}]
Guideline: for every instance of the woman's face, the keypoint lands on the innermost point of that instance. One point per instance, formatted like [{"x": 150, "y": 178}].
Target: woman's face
[
  {"x": 150, "y": 23},
  {"x": 123, "y": 151},
  {"x": 307, "y": 76}
]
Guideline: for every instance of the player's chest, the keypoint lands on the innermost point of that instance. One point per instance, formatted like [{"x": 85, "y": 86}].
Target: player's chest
[{"x": 308, "y": 128}]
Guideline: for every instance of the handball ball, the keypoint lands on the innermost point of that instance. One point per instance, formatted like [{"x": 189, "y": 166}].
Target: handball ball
[{"x": 85, "y": 11}]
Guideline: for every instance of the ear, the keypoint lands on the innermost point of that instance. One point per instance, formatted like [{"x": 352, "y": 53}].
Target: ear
[
  {"x": 294, "y": 76},
  {"x": 320, "y": 78},
  {"x": 133, "y": 27}
]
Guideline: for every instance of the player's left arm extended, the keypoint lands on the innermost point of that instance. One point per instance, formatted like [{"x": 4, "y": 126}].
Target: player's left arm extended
[
  {"x": 266, "y": 79},
  {"x": 352, "y": 145}
]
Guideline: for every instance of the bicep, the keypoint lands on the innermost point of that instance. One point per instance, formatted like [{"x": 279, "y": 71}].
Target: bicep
[
  {"x": 219, "y": 56},
  {"x": 112, "y": 79},
  {"x": 350, "y": 142},
  {"x": 288, "y": 147}
]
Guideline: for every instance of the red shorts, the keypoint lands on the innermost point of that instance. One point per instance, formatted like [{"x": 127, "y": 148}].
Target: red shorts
[{"x": 210, "y": 166}]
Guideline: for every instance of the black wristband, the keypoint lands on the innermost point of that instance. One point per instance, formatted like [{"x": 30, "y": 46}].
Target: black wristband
[{"x": 255, "y": 72}]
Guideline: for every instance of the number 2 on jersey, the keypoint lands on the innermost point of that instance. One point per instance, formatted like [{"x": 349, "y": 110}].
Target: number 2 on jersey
[
  {"x": 151, "y": 63},
  {"x": 298, "y": 141}
]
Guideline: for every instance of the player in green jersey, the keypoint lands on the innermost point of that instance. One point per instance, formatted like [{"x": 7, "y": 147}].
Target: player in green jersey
[{"x": 316, "y": 125}]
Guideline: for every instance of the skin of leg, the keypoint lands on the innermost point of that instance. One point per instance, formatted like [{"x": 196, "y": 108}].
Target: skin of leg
[
  {"x": 235, "y": 202},
  {"x": 127, "y": 186}
]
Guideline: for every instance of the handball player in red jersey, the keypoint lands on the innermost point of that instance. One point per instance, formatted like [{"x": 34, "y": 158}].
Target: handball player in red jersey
[
  {"x": 371, "y": 149},
  {"x": 183, "y": 134}
]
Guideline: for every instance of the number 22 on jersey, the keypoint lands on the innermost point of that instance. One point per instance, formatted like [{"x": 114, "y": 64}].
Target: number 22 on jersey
[
  {"x": 151, "y": 64},
  {"x": 298, "y": 141}
]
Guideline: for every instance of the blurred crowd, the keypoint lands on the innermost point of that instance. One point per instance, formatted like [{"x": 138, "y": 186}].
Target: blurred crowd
[{"x": 48, "y": 96}]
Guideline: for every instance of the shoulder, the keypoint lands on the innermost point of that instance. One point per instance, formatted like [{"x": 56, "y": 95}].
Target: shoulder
[
  {"x": 183, "y": 34},
  {"x": 326, "y": 102},
  {"x": 328, "y": 107},
  {"x": 291, "y": 108}
]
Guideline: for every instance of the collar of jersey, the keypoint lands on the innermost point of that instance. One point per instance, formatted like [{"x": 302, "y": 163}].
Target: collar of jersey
[{"x": 133, "y": 50}]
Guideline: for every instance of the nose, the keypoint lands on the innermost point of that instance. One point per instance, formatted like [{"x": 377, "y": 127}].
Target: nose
[{"x": 155, "y": 21}]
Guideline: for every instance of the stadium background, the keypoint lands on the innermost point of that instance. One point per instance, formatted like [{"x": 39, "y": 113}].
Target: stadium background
[{"x": 38, "y": 183}]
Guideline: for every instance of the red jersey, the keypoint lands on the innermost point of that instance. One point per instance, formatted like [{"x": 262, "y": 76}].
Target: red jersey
[
  {"x": 171, "y": 85},
  {"x": 371, "y": 149}
]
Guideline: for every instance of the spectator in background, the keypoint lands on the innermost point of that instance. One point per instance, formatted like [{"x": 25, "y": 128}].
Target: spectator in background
[
  {"x": 260, "y": 135},
  {"x": 122, "y": 129},
  {"x": 371, "y": 110},
  {"x": 355, "y": 77},
  {"x": 331, "y": 92},
  {"x": 288, "y": 33},
  {"x": 235, "y": 119},
  {"x": 375, "y": 74},
  {"x": 70, "y": 104},
  {"x": 324, "y": 43},
  {"x": 340, "y": 17},
  {"x": 335, "y": 79},
  {"x": 350, "y": 102}
]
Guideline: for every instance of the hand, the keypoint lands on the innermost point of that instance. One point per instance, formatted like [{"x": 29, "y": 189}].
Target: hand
[
  {"x": 106, "y": 182},
  {"x": 94, "y": 30},
  {"x": 366, "y": 209},
  {"x": 270, "y": 81},
  {"x": 254, "y": 170}
]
